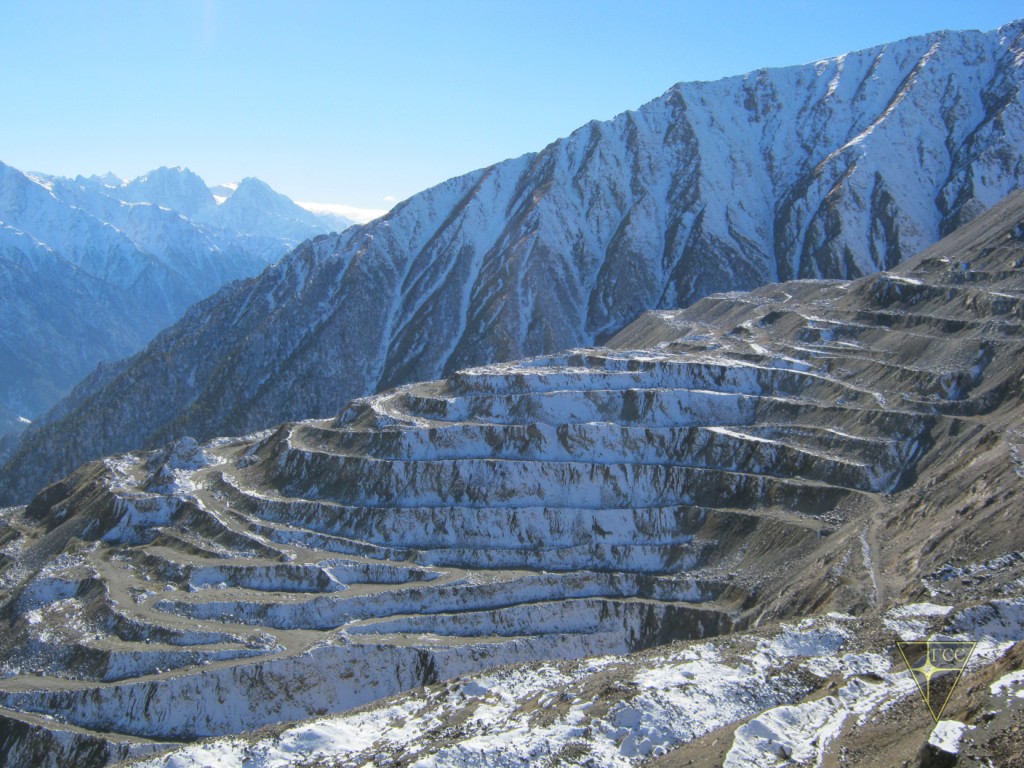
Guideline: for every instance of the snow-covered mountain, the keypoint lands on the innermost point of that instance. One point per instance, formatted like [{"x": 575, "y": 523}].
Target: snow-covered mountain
[
  {"x": 832, "y": 169},
  {"x": 178, "y": 189},
  {"x": 826, "y": 450},
  {"x": 260, "y": 212},
  {"x": 92, "y": 268}
]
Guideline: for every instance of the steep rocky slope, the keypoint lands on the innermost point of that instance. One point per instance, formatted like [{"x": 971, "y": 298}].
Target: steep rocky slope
[
  {"x": 805, "y": 448},
  {"x": 822, "y": 691},
  {"x": 91, "y": 269},
  {"x": 832, "y": 169}
]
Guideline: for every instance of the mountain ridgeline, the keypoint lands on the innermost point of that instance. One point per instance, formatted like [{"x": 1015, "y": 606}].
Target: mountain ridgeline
[
  {"x": 833, "y": 169},
  {"x": 92, "y": 268}
]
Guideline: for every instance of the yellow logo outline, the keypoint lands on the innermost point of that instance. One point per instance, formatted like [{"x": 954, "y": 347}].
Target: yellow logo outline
[{"x": 940, "y": 657}]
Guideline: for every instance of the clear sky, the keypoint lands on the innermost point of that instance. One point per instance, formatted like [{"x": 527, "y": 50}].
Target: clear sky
[{"x": 366, "y": 102}]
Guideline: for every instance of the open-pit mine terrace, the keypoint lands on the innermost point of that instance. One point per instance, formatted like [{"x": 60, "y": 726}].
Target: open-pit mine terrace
[{"x": 684, "y": 481}]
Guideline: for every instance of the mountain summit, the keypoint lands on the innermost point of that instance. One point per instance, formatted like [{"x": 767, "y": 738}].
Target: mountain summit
[
  {"x": 179, "y": 189},
  {"x": 833, "y": 169},
  {"x": 255, "y": 208}
]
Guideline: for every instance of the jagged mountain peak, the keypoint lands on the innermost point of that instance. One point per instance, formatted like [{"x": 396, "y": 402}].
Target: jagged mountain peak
[
  {"x": 176, "y": 188},
  {"x": 167, "y": 174},
  {"x": 109, "y": 179},
  {"x": 1012, "y": 28},
  {"x": 253, "y": 191},
  {"x": 255, "y": 185},
  {"x": 253, "y": 205},
  {"x": 92, "y": 268}
]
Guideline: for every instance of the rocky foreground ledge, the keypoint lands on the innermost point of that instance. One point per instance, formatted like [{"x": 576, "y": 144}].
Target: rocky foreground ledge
[
  {"x": 823, "y": 691},
  {"x": 806, "y": 449}
]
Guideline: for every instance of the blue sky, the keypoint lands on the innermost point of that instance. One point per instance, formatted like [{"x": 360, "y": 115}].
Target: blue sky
[{"x": 362, "y": 103}]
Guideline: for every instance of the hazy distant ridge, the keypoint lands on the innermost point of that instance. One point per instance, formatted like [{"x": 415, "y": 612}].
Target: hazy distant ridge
[{"x": 91, "y": 268}]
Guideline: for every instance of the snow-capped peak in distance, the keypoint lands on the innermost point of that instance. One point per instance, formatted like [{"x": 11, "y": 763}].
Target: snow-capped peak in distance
[
  {"x": 251, "y": 189},
  {"x": 92, "y": 267},
  {"x": 110, "y": 179},
  {"x": 338, "y": 214},
  {"x": 178, "y": 189},
  {"x": 253, "y": 206},
  {"x": 222, "y": 192}
]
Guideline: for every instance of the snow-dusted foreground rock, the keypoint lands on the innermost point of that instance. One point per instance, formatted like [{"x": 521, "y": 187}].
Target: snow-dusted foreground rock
[
  {"x": 796, "y": 695},
  {"x": 807, "y": 448}
]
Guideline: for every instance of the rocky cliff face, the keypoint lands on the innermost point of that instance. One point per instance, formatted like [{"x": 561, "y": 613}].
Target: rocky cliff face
[
  {"x": 806, "y": 448},
  {"x": 833, "y": 169}
]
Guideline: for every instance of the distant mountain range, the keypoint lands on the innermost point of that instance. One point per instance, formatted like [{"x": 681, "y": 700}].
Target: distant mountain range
[
  {"x": 834, "y": 169},
  {"x": 91, "y": 268}
]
